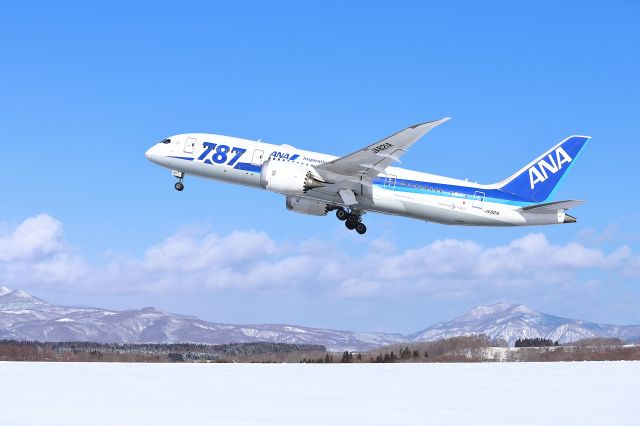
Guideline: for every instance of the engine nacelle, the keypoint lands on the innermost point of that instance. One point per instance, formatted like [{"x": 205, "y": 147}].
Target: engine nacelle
[
  {"x": 288, "y": 178},
  {"x": 306, "y": 206}
]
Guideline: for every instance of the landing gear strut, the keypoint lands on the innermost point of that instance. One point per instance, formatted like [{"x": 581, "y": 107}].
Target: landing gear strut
[{"x": 352, "y": 220}]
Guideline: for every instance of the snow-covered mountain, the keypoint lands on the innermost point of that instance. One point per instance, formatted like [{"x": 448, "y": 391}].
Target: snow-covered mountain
[
  {"x": 23, "y": 316},
  {"x": 510, "y": 322}
]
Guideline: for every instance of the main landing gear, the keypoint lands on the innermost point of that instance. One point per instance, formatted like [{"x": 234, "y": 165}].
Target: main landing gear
[
  {"x": 352, "y": 220},
  {"x": 179, "y": 186}
]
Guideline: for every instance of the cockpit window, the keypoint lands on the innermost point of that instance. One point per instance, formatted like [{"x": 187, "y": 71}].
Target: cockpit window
[{"x": 166, "y": 141}]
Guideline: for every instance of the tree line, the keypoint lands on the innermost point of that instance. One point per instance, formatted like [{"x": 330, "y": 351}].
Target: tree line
[
  {"x": 537, "y": 342},
  {"x": 404, "y": 354},
  {"x": 22, "y": 350}
]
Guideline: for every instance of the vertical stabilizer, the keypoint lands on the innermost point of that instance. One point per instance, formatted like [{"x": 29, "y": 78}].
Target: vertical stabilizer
[{"x": 536, "y": 181}]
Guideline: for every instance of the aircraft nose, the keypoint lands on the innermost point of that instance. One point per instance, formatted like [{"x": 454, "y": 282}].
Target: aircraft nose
[{"x": 154, "y": 154}]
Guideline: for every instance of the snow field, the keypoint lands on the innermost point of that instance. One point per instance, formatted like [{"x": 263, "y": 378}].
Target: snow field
[{"x": 581, "y": 393}]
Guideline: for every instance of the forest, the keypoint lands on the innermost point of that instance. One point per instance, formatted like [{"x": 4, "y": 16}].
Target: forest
[{"x": 457, "y": 349}]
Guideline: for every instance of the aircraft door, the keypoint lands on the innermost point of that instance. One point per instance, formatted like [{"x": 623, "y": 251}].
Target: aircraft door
[
  {"x": 189, "y": 145},
  {"x": 258, "y": 155},
  {"x": 478, "y": 199},
  {"x": 390, "y": 182}
]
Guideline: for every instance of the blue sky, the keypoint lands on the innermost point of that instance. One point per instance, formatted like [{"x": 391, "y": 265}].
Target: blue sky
[{"x": 86, "y": 89}]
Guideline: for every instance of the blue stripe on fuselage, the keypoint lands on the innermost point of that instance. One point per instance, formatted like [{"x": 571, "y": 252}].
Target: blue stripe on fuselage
[
  {"x": 248, "y": 167},
  {"x": 455, "y": 191},
  {"x": 182, "y": 158}
]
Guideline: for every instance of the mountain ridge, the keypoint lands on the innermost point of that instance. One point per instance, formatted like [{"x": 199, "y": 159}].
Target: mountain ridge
[{"x": 26, "y": 317}]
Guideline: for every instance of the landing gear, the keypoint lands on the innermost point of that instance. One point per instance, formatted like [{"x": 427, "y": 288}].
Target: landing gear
[
  {"x": 179, "y": 186},
  {"x": 352, "y": 220}
]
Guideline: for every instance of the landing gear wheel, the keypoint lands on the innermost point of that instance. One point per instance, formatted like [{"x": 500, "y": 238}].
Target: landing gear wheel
[
  {"x": 179, "y": 186},
  {"x": 350, "y": 225},
  {"x": 361, "y": 228},
  {"x": 353, "y": 219},
  {"x": 341, "y": 214}
]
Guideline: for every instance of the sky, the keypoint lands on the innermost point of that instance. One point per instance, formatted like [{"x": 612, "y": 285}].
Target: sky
[{"x": 86, "y": 219}]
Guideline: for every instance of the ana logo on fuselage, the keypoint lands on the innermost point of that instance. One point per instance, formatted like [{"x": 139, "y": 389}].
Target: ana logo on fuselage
[
  {"x": 539, "y": 174},
  {"x": 284, "y": 155}
]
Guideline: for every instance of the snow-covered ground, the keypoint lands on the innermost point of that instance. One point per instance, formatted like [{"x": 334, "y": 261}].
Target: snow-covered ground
[{"x": 579, "y": 393}]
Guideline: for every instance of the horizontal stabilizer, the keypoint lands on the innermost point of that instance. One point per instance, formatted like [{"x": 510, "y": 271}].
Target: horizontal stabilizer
[{"x": 552, "y": 207}]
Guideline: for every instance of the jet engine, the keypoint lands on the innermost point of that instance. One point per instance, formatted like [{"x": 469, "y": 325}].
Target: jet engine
[
  {"x": 288, "y": 178},
  {"x": 306, "y": 206}
]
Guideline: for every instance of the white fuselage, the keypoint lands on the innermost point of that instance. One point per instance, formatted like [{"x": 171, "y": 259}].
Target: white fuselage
[{"x": 397, "y": 191}]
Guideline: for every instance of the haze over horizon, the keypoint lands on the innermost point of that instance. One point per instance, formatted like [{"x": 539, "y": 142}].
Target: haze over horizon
[{"x": 86, "y": 219}]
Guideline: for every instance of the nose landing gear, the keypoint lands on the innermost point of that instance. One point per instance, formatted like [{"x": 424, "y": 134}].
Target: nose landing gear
[
  {"x": 179, "y": 186},
  {"x": 352, "y": 220}
]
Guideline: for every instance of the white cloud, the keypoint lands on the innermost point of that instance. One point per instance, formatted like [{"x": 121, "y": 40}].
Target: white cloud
[
  {"x": 34, "y": 238},
  {"x": 188, "y": 252},
  {"x": 35, "y": 254},
  {"x": 609, "y": 234}
]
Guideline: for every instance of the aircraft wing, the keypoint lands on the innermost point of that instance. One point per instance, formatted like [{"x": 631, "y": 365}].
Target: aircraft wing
[
  {"x": 352, "y": 174},
  {"x": 552, "y": 207}
]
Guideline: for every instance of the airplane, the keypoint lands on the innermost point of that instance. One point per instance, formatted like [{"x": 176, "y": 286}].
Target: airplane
[{"x": 364, "y": 181}]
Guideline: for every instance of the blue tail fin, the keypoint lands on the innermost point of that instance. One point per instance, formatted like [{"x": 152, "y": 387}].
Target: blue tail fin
[{"x": 536, "y": 181}]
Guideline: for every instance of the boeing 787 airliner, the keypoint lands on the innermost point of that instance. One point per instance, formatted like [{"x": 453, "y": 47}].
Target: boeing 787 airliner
[{"x": 364, "y": 181}]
